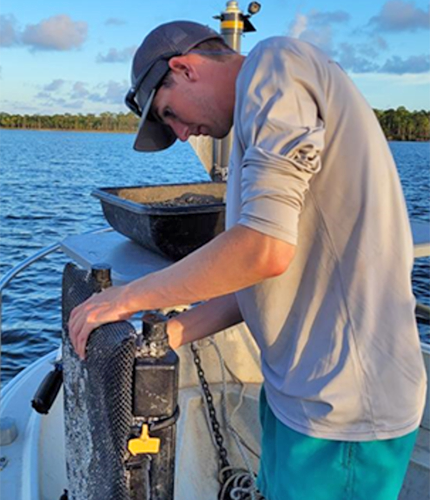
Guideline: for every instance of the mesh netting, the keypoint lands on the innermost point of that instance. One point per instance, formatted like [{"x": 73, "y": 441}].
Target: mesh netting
[{"x": 97, "y": 400}]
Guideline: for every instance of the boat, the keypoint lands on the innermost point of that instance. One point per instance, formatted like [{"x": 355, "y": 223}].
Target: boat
[
  {"x": 218, "y": 393},
  {"x": 32, "y": 462}
]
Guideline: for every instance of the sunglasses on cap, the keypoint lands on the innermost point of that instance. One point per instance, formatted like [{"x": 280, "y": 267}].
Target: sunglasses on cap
[{"x": 130, "y": 99}]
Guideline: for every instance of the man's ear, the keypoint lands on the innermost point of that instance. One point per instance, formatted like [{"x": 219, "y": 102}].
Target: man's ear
[{"x": 183, "y": 66}]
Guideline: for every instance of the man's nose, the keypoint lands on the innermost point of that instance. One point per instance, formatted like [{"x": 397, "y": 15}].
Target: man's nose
[{"x": 181, "y": 130}]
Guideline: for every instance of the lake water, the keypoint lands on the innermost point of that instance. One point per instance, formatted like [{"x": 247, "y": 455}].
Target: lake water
[{"x": 46, "y": 179}]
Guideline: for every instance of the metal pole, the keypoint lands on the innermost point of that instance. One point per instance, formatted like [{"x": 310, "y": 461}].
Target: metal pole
[{"x": 232, "y": 23}]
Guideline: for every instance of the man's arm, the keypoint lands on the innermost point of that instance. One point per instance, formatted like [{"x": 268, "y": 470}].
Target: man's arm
[
  {"x": 236, "y": 259},
  {"x": 203, "y": 320}
]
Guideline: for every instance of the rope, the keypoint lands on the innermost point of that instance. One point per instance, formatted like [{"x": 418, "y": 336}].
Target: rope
[{"x": 237, "y": 484}]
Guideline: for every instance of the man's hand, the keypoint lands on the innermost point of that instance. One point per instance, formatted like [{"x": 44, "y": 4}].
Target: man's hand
[
  {"x": 105, "y": 307},
  {"x": 235, "y": 259}
]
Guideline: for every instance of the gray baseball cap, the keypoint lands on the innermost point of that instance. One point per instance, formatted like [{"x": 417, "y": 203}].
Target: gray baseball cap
[{"x": 150, "y": 66}]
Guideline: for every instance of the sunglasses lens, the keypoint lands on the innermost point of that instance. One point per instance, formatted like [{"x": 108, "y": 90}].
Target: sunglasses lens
[{"x": 131, "y": 102}]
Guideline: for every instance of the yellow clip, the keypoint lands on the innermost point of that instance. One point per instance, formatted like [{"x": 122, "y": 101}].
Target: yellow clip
[{"x": 144, "y": 444}]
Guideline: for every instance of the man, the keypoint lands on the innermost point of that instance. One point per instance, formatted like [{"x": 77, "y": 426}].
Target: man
[{"x": 316, "y": 257}]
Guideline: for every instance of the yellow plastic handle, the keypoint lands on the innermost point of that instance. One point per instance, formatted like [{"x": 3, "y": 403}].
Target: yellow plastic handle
[{"x": 144, "y": 444}]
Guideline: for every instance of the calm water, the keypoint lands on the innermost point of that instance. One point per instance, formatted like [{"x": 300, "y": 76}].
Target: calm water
[{"x": 46, "y": 180}]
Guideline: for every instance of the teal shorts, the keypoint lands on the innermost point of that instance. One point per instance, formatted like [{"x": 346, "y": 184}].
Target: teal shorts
[{"x": 294, "y": 466}]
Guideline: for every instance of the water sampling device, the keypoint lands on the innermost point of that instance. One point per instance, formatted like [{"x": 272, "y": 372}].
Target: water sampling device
[{"x": 120, "y": 403}]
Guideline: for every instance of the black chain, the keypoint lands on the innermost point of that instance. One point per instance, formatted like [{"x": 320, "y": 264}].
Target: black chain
[{"x": 222, "y": 452}]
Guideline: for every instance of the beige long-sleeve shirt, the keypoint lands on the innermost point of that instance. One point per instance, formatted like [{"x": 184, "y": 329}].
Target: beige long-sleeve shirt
[{"x": 339, "y": 345}]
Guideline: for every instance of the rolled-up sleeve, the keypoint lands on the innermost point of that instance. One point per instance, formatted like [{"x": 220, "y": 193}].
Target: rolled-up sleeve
[{"x": 282, "y": 135}]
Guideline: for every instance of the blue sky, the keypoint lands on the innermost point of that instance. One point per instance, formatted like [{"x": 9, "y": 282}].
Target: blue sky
[{"x": 74, "y": 57}]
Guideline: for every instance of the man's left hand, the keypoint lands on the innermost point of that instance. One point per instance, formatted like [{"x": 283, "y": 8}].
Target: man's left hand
[{"x": 101, "y": 308}]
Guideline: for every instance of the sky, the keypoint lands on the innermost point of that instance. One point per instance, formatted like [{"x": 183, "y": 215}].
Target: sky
[{"x": 75, "y": 56}]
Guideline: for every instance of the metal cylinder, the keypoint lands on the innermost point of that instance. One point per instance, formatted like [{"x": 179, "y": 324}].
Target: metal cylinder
[
  {"x": 154, "y": 333},
  {"x": 102, "y": 274},
  {"x": 232, "y": 25},
  {"x": 231, "y": 28}
]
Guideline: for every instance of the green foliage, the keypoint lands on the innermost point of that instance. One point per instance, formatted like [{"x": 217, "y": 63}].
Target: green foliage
[
  {"x": 105, "y": 122},
  {"x": 398, "y": 124},
  {"x": 402, "y": 125}
]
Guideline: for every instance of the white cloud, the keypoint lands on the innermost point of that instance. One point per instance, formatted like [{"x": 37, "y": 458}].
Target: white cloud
[
  {"x": 79, "y": 90},
  {"x": 321, "y": 37},
  {"x": 298, "y": 26},
  {"x": 55, "y": 33},
  {"x": 318, "y": 18},
  {"x": 111, "y": 92},
  {"x": 117, "y": 56},
  {"x": 380, "y": 42},
  {"x": 69, "y": 94},
  {"x": 9, "y": 35},
  {"x": 360, "y": 59},
  {"x": 316, "y": 27},
  {"x": 413, "y": 64},
  {"x": 351, "y": 58},
  {"x": 54, "y": 85},
  {"x": 115, "y": 92},
  {"x": 398, "y": 15}
]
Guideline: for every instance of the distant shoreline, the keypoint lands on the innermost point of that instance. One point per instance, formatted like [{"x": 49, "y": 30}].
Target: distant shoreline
[
  {"x": 70, "y": 130},
  {"x": 397, "y": 124}
]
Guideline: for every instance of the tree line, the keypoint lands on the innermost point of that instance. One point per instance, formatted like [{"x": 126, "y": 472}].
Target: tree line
[
  {"x": 398, "y": 124},
  {"x": 104, "y": 122},
  {"x": 403, "y": 125}
]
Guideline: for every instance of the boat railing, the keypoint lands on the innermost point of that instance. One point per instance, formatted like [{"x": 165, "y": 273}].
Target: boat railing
[{"x": 16, "y": 270}]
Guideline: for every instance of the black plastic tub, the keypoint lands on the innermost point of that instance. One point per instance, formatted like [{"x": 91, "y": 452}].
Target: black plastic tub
[{"x": 157, "y": 218}]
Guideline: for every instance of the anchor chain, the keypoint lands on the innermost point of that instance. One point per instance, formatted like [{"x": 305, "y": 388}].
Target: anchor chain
[
  {"x": 236, "y": 484},
  {"x": 219, "y": 440}
]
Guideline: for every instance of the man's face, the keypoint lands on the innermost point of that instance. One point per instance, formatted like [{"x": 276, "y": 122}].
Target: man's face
[{"x": 190, "y": 108}]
